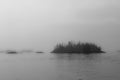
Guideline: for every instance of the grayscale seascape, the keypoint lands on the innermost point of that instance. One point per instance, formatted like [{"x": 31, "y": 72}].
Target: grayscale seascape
[
  {"x": 49, "y": 66},
  {"x": 59, "y": 39}
]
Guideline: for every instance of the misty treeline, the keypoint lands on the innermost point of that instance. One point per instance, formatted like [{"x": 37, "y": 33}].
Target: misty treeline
[{"x": 72, "y": 47}]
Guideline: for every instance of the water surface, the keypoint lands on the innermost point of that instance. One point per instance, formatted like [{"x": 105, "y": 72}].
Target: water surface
[{"x": 49, "y": 66}]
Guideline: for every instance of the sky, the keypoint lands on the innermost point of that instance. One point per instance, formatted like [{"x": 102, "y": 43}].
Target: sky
[{"x": 41, "y": 24}]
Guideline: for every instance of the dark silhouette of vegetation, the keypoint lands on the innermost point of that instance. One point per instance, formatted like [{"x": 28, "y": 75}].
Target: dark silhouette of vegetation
[
  {"x": 70, "y": 47},
  {"x": 11, "y": 52},
  {"x": 39, "y": 52}
]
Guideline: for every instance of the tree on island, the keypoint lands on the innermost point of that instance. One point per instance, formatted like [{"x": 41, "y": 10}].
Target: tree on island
[{"x": 71, "y": 47}]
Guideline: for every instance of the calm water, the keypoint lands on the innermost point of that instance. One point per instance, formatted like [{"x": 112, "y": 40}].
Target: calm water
[{"x": 59, "y": 67}]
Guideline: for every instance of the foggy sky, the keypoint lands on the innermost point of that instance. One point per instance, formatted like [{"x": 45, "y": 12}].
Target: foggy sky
[{"x": 40, "y": 24}]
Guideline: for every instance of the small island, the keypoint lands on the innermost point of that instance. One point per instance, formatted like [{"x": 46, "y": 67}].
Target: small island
[
  {"x": 11, "y": 52},
  {"x": 39, "y": 52},
  {"x": 81, "y": 48}
]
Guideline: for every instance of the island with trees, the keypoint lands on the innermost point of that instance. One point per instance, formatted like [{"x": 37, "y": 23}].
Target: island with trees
[{"x": 81, "y": 48}]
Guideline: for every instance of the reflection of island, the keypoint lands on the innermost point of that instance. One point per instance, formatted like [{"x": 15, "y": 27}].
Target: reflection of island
[
  {"x": 118, "y": 50},
  {"x": 84, "y": 48}
]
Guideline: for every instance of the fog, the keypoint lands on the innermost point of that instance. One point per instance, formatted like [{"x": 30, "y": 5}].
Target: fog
[{"x": 40, "y": 24}]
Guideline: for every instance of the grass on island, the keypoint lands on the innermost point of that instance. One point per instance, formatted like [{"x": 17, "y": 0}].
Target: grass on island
[{"x": 71, "y": 47}]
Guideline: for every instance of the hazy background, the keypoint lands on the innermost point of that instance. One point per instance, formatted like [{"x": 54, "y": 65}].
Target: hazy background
[{"x": 40, "y": 24}]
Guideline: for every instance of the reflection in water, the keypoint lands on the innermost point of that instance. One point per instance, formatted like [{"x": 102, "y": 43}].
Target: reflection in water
[
  {"x": 89, "y": 67},
  {"x": 59, "y": 67},
  {"x": 76, "y": 66},
  {"x": 79, "y": 57}
]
